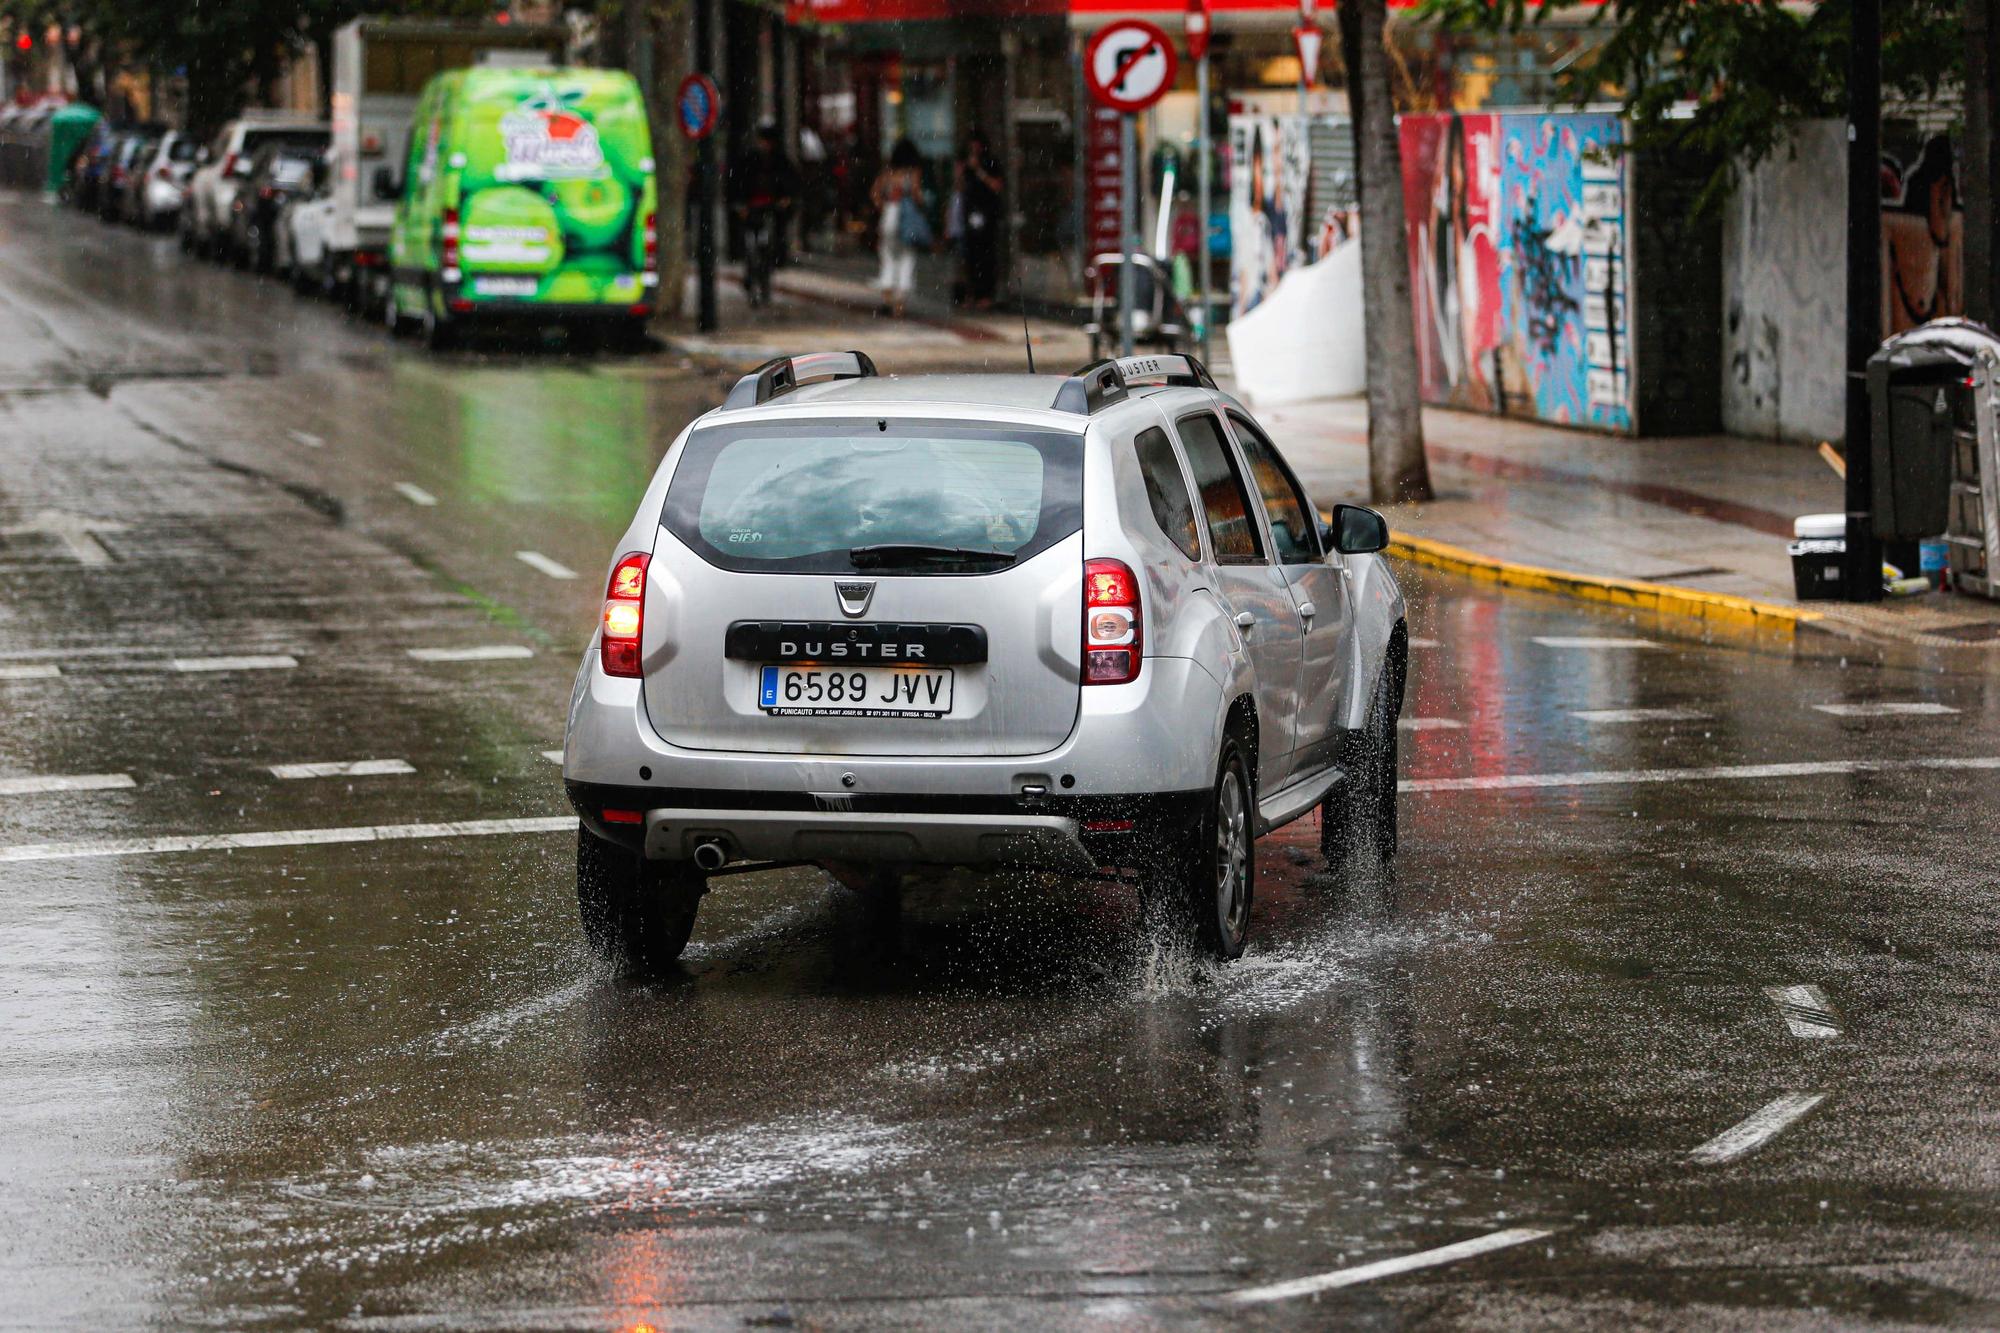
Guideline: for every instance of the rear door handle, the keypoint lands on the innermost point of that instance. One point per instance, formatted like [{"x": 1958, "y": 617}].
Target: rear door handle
[
  {"x": 1246, "y": 621},
  {"x": 1307, "y": 611}
]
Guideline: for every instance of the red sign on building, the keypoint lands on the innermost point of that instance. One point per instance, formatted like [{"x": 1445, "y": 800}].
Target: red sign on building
[{"x": 1103, "y": 177}]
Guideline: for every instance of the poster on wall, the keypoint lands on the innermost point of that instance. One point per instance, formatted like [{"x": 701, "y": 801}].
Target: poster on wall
[
  {"x": 1923, "y": 229},
  {"x": 1519, "y": 264},
  {"x": 1269, "y": 167}
]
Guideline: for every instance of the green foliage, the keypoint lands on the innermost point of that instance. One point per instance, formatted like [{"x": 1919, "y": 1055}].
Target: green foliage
[{"x": 1727, "y": 80}]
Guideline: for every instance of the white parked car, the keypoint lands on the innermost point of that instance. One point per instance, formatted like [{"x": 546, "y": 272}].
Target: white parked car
[
  {"x": 225, "y": 165},
  {"x": 303, "y": 228}
]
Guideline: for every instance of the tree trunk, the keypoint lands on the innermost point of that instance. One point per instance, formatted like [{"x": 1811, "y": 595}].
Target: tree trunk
[
  {"x": 1397, "y": 470},
  {"x": 1981, "y": 162}
]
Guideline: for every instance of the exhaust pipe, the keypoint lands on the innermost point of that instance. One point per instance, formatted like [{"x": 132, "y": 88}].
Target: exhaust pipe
[{"x": 711, "y": 855}]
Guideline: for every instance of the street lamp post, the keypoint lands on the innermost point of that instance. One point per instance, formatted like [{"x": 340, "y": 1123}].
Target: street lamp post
[
  {"x": 1197, "y": 41},
  {"x": 1863, "y": 573}
]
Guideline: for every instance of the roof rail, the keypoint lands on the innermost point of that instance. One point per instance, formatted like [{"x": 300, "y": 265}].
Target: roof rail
[
  {"x": 783, "y": 374},
  {"x": 1092, "y": 389},
  {"x": 1174, "y": 368}
]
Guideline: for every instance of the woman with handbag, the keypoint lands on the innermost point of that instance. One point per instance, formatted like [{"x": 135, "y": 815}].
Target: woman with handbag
[{"x": 905, "y": 228}]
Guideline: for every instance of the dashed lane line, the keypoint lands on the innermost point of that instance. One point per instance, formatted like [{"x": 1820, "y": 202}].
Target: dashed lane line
[
  {"x": 37, "y": 671},
  {"x": 1885, "y": 710},
  {"x": 307, "y": 438},
  {"x": 1756, "y": 1129},
  {"x": 1429, "y": 723},
  {"x": 1720, "y": 773},
  {"x": 65, "y": 782},
  {"x": 416, "y": 495},
  {"x": 1425, "y": 643},
  {"x": 553, "y": 756},
  {"x": 1805, "y": 1010},
  {"x": 485, "y": 652},
  {"x": 1618, "y": 715},
  {"x": 537, "y": 561},
  {"x": 1588, "y": 641},
  {"x": 304, "y": 837},
  {"x": 264, "y": 662},
  {"x": 358, "y": 768},
  {"x": 1408, "y": 1263}
]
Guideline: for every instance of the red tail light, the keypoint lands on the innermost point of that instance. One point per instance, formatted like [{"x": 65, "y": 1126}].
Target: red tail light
[
  {"x": 1113, "y": 629},
  {"x": 163, "y": 173},
  {"x": 652, "y": 242},
  {"x": 624, "y": 615},
  {"x": 448, "y": 251},
  {"x": 229, "y": 164},
  {"x": 266, "y": 192}
]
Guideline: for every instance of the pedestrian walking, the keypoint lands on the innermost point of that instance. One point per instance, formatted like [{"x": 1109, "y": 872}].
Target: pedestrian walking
[
  {"x": 904, "y": 228},
  {"x": 980, "y": 243}
]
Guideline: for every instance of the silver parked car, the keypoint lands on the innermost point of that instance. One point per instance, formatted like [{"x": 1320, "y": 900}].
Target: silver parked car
[{"x": 881, "y": 624}]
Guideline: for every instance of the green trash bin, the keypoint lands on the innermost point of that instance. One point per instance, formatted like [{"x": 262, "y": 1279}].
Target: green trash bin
[{"x": 69, "y": 129}]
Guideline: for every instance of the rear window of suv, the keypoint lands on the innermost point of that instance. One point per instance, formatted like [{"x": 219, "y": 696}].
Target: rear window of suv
[{"x": 800, "y": 497}]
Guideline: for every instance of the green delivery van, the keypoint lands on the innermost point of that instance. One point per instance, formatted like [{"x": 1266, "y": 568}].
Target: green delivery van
[{"x": 528, "y": 196}]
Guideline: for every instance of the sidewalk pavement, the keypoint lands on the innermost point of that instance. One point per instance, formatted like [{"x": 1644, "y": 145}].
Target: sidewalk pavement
[{"x": 1685, "y": 526}]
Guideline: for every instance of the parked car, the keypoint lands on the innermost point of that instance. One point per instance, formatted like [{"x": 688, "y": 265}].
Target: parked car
[
  {"x": 222, "y": 169},
  {"x": 163, "y": 182},
  {"x": 93, "y": 160},
  {"x": 303, "y": 230},
  {"x": 528, "y": 195},
  {"x": 125, "y": 172},
  {"x": 990, "y": 620},
  {"x": 278, "y": 172}
]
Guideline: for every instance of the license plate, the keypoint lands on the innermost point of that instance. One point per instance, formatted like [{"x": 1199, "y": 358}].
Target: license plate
[
  {"x": 802, "y": 690},
  {"x": 505, "y": 286}
]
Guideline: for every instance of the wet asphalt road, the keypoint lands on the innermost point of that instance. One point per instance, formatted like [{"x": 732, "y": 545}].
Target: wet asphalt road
[{"x": 368, "y": 1078}]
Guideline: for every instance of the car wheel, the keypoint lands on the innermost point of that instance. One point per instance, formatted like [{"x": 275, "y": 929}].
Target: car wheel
[
  {"x": 1366, "y": 803},
  {"x": 1204, "y": 880},
  {"x": 635, "y": 912}
]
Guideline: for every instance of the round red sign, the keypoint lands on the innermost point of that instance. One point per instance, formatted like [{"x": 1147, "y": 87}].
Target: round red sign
[{"x": 1129, "y": 65}]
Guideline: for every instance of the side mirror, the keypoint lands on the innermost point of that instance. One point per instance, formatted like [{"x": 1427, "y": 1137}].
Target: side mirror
[
  {"x": 386, "y": 186},
  {"x": 1356, "y": 530}
]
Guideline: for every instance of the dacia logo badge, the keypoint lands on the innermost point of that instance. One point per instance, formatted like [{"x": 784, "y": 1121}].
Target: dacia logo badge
[{"x": 854, "y": 597}]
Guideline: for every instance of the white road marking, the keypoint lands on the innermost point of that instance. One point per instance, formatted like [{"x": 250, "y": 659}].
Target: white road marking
[
  {"x": 39, "y": 671},
  {"x": 65, "y": 782},
  {"x": 1425, "y": 643},
  {"x": 1805, "y": 1010},
  {"x": 1348, "y": 1277},
  {"x": 1586, "y": 641},
  {"x": 485, "y": 652},
  {"x": 1756, "y": 1128},
  {"x": 1641, "y": 715},
  {"x": 1429, "y": 723},
  {"x": 536, "y": 560},
  {"x": 358, "y": 768},
  {"x": 416, "y": 495},
  {"x": 1635, "y": 776},
  {"x": 307, "y": 438},
  {"x": 1884, "y": 710},
  {"x": 553, "y": 756},
  {"x": 266, "y": 662},
  {"x": 303, "y": 837},
  {"x": 77, "y": 533}
]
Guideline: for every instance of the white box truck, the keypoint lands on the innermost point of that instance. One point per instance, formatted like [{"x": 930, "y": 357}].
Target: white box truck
[{"x": 380, "y": 65}]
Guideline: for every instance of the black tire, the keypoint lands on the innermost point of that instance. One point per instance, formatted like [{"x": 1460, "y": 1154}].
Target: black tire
[
  {"x": 1366, "y": 805},
  {"x": 635, "y": 912},
  {"x": 1204, "y": 878},
  {"x": 440, "y": 332}
]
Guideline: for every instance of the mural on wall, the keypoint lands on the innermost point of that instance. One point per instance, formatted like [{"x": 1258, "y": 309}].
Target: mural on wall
[
  {"x": 1269, "y": 170},
  {"x": 1923, "y": 230},
  {"x": 1519, "y": 264}
]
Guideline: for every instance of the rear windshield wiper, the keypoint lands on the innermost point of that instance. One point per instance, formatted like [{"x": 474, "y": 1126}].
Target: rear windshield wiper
[{"x": 916, "y": 553}]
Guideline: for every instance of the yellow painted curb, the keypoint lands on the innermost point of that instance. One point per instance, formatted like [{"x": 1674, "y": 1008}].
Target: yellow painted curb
[{"x": 1663, "y": 598}]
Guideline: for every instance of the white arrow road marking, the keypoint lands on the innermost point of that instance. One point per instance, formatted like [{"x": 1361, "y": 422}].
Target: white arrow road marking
[
  {"x": 1586, "y": 641},
  {"x": 358, "y": 768},
  {"x": 1641, "y": 715},
  {"x": 488, "y": 652},
  {"x": 302, "y": 837},
  {"x": 536, "y": 560},
  {"x": 1635, "y": 776},
  {"x": 1756, "y": 1129},
  {"x": 1348, "y": 1277},
  {"x": 1805, "y": 1010},
  {"x": 1885, "y": 710},
  {"x": 65, "y": 782},
  {"x": 1429, "y": 723},
  {"x": 38, "y": 671},
  {"x": 416, "y": 495},
  {"x": 253, "y": 662},
  {"x": 74, "y": 531}
]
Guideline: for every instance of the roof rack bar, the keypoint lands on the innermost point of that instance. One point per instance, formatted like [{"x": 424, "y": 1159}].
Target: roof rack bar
[
  {"x": 1091, "y": 390},
  {"x": 783, "y": 374}
]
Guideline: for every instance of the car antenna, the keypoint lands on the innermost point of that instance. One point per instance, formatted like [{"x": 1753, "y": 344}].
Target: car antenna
[{"x": 1026, "y": 341}]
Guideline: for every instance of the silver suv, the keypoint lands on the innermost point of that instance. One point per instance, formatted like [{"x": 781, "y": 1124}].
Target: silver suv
[{"x": 882, "y": 624}]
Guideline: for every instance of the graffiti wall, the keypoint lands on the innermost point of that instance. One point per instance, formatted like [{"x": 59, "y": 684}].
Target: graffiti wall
[
  {"x": 1519, "y": 264},
  {"x": 1785, "y": 273}
]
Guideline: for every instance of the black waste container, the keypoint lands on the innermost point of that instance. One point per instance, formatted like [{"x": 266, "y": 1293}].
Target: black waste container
[{"x": 1917, "y": 390}]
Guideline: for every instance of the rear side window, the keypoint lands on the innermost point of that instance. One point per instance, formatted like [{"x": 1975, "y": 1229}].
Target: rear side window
[
  {"x": 1224, "y": 502},
  {"x": 1285, "y": 505},
  {"x": 182, "y": 150},
  {"x": 801, "y": 497},
  {"x": 301, "y": 138},
  {"x": 1166, "y": 491}
]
